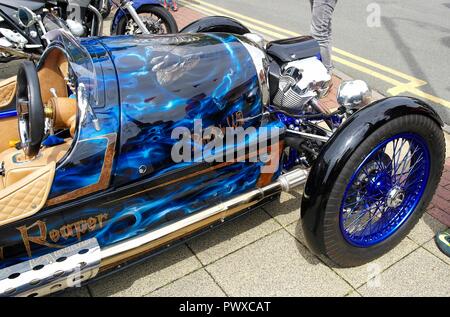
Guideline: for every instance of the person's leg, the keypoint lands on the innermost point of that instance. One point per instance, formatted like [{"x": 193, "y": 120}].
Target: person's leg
[{"x": 322, "y": 12}]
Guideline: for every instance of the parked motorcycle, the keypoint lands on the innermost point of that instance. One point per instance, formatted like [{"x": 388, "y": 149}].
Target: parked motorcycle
[
  {"x": 24, "y": 23},
  {"x": 142, "y": 17}
]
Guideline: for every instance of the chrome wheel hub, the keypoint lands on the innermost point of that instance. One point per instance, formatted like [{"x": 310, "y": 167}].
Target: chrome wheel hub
[
  {"x": 395, "y": 197},
  {"x": 153, "y": 25}
]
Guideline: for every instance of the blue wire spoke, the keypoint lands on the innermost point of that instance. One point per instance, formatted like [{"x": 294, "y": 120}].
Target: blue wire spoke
[
  {"x": 410, "y": 156},
  {"x": 403, "y": 164},
  {"x": 370, "y": 219},
  {"x": 412, "y": 184},
  {"x": 400, "y": 163},
  {"x": 394, "y": 155},
  {"x": 354, "y": 208},
  {"x": 374, "y": 213},
  {"x": 371, "y": 198},
  {"x": 362, "y": 214},
  {"x": 412, "y": 172}
]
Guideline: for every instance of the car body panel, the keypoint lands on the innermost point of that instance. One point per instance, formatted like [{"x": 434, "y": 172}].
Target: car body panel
[
  {"x": 97, "y": 191},
  {"x": 170, "y": 81}
]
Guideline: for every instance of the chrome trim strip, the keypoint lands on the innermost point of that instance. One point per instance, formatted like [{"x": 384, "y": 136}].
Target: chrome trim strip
[
  {"x": 52, "y": 272},
  {"x": 309, "y": 135},
  {"x": 284, "y": 183}
]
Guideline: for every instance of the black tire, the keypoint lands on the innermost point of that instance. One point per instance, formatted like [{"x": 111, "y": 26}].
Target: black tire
[
  {"x": 335, "y": 245},
  {"x": 166, "y": 17}
]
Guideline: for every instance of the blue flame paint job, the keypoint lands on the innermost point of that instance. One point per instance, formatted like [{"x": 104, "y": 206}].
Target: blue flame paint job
[
  {"x": 8, "y": 114},
  {"x": 169, "y": 81},
  {"x": 141, "y": 89}
]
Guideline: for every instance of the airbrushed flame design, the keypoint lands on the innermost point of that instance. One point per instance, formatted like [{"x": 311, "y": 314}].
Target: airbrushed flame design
[
  {"x": 168, "y": 82},
  {"x": 146, "y": 87}
]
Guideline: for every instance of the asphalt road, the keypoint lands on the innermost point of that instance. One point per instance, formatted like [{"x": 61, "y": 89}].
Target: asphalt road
[
  {"x": 413, "y": 38},
  {"x": 411, "y": 44}
]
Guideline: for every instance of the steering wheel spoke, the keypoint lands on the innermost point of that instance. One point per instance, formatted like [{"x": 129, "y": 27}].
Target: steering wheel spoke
[{"x": 24, "y": 106}]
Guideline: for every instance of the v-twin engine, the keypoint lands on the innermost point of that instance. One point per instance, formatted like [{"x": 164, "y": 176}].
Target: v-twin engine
[{"x": 301, "y": 81}]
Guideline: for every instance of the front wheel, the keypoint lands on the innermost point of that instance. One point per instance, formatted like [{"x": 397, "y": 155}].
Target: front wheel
[
  {"x": 383, "y": 190},
  {"x": 157, "y": 20}
]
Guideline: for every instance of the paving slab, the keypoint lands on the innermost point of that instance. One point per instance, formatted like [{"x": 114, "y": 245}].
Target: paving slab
[
  {"x": 419, "y": 274},
  {"x": 276, "y": 265},
  {"x": 74, "y": 292},
  {"x": 357, "y": 276},
  {"x": 432, "y": 247},
  {"x": 353, "y": 294},
  {"x": 286, "y": 210},
  {"x": 233, "y": 236},
  {"x": 426, "y": 229},
  {"x": 146, "y": 277},
  {"x": 196, "y": 284},
  {"x": 296, "y": 230}
]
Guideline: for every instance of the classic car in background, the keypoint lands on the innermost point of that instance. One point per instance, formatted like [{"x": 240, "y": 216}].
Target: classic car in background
[{"x": 93, "y": 186}]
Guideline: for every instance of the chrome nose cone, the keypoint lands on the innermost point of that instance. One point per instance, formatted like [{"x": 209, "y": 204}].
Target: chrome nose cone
[{"x": 354, "y": 94}]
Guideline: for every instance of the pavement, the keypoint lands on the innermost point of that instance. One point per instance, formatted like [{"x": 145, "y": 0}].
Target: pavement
[{"x": 264, "y": 253}]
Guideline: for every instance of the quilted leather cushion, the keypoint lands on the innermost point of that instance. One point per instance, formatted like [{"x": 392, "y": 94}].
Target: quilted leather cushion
[
  {"x": 27, "y": 196},
  {"x": 7, "y": 93}
]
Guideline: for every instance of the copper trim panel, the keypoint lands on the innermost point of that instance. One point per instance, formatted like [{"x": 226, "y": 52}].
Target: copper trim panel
[{"x": 105, "y": 175}]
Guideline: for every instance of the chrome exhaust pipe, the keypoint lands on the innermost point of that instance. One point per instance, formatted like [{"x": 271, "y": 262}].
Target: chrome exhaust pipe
[
  {"x": 127, "y": 249},
  {"x": 82, "y": 261},
  {"x": 99, "y": 27}
]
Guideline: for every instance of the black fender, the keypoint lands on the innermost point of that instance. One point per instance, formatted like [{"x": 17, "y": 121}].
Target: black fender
[
  {"x": 216, "y": 24},
  {"x": 339, "y": 149}
]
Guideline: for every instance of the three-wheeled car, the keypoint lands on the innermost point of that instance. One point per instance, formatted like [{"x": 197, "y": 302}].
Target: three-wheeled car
[{"x": 99, "y": 176}]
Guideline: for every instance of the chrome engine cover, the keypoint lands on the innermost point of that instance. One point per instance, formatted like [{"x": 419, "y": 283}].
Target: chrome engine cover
[{"x": 300, "y": 81}]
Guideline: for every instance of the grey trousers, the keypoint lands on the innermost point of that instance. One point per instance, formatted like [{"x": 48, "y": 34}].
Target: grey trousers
[{"x": 322, "y": 13}]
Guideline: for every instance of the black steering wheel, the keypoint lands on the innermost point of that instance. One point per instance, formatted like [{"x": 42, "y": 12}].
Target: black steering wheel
[{"x": 30, "y": 111}]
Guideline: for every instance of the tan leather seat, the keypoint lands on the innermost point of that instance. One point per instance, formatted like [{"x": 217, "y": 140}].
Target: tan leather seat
[
  {"x": 27, "y": 196},
  {"x": 7, "y": 91},
  {"x": 25, "y": 185},
  {"x": 16, "y": 166}
]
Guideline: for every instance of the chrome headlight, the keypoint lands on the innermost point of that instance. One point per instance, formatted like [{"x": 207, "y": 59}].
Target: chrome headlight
[{"x": 354, "y": 94}]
